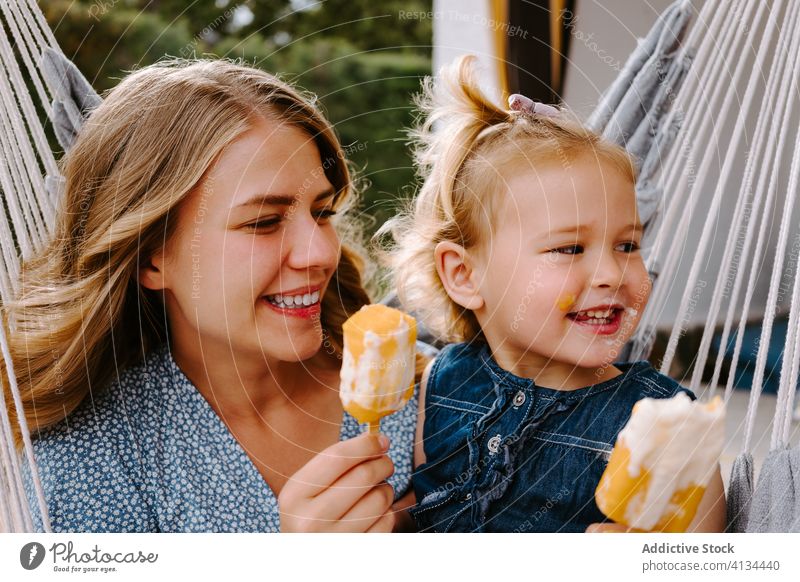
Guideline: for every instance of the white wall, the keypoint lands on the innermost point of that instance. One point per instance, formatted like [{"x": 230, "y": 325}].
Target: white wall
[
  {"x": 604, "y": 33},
  {"x": 467, "y": 26}
]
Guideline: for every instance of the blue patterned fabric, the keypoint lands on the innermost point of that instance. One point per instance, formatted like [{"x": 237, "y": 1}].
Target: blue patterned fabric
[{"x": 150, "y": 455}]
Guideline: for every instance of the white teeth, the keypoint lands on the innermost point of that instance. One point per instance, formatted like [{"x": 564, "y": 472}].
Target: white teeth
[
  {"x": 597, "y": 314},
  {"x": 294, "y": 301}
]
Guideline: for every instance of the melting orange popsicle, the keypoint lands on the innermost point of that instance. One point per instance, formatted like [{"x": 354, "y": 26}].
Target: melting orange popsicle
[
  {"x": 377, "y": 375},
  {"x": 662, "y": 462}
]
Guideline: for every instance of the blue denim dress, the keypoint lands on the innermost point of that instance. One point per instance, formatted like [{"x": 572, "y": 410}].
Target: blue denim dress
[{"x": 505, "y": 455}]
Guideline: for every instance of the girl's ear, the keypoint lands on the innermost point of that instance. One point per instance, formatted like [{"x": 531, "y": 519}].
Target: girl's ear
[
  {"x": 151, "y": 274},
  {"x": 457, "y": 275}
]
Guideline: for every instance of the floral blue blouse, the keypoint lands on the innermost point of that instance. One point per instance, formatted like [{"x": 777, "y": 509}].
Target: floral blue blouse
[{"x": 150, "y": 455}]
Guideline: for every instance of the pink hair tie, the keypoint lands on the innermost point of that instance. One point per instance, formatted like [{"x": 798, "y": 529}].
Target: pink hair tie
[{"x": 517, "y": 102}]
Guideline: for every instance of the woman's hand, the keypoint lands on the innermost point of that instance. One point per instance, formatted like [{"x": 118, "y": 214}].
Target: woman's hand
[{"x": 341, "y": 489}]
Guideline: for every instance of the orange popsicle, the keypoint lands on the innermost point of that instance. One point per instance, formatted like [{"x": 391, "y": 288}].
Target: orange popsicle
[
  {"x": 662, "y": 463},
  {"x": 377, "y": 375}
]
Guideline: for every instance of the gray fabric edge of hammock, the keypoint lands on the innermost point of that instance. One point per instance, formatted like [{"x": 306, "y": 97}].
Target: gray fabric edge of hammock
[
  {"x": 75, "y": 97},
  {"x": 676, "y": 14},
  {"x": 775, "y": 502},
  {"x": 740, "y": 492}
]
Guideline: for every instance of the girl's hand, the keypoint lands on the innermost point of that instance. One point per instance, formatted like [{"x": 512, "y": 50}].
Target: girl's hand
[
  {"x": 611, "y": 527},
  {"x": 403, "y": 521},
  {"x": 341, "y": 489}
]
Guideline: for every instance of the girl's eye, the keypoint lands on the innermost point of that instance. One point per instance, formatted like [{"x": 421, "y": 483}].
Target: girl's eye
[
  {"x": 324, "y": 215},
  {"x": 628, "y": 247},
  {"x": 568, "y": 250}
]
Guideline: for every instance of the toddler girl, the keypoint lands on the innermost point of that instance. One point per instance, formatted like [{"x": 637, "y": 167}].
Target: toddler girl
[{"x": 522, "y": 245}]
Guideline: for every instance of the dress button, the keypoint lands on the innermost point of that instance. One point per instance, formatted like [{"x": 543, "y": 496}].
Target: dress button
[
  {"x": 519, "y": 398},
  {"x": 494, "y": 444}
]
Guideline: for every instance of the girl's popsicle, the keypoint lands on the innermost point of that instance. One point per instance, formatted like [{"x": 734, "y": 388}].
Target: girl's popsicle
[{"x": 662, "y": 463}]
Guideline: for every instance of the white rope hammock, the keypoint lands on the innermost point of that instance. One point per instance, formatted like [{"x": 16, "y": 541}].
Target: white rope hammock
[
  {"x": 29, "y": 182},
  {"x": 761, "y": 41},
  {"x": 730, "y": 184}
]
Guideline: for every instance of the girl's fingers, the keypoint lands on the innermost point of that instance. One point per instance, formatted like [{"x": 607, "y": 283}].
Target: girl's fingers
[
  {"x": 609, "y": 528},
  {"x": 328, "y": 466},
  {"x": 343, "y": 495},
  {"x": 368, "y": 510}
]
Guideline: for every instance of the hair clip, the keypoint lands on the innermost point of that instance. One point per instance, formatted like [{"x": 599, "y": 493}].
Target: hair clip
[{"x": 517, "y": 102}]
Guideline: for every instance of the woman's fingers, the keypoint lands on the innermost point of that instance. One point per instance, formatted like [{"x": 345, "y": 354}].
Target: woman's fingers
[
  {"x": 371, "y": 508},
  {"x": 343, "y": 495},
  {"x": 346, "y": 477},
  {"x": 329, "y": 465},
  {"x": 384, "y": 525}
]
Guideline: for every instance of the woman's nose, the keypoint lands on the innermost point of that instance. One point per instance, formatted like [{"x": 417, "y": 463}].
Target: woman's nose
[{"x": 313, "y": 245}]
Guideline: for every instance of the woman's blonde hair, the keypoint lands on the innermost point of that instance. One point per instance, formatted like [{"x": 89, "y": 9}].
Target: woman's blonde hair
[
  {"x": 463, "y": 147},
  {"x": 81, "y": 315}
]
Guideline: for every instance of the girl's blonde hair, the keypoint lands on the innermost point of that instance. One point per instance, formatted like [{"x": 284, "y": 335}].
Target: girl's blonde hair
[
  {"x": 81, "y": 315},
  {"x": 463, "y": 149}
]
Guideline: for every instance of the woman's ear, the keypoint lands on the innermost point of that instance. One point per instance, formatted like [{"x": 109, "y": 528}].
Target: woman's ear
[
  {"x": 457, "y": 274},
  {"x": 151, "y": 274}
]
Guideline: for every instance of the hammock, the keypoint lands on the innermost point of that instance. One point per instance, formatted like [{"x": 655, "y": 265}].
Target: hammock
[
  {"x": 707, "y": 184},
  {"x": 735, "y": 183}
]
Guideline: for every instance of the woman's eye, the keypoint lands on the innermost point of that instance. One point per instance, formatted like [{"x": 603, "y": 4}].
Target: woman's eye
[
  {"x": 265, "y": 224},
  {"x": 324, "y": 215},
  {"x": 568, "y": 250},
  {"x": 628, "y": 247}
]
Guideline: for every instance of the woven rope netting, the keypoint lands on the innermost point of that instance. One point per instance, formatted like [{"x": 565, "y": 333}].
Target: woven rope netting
[{"x": 724, "y": 240}]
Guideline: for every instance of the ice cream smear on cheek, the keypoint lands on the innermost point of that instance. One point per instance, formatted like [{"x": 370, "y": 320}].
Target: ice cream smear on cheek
[{"x": 565, "y": 302}]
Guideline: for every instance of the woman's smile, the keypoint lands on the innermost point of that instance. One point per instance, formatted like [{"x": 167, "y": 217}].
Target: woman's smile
[{"x": 303, "y": 303}]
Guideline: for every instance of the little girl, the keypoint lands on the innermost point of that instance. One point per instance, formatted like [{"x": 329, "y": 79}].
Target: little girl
[{"x": 523, "y": 245}]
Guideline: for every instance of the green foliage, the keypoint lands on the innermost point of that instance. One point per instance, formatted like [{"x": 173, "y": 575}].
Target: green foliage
[
  {"x": 367, "y": 24},
  {"x": 362, "y": 60},
  {"x": 106, "y": 40}
]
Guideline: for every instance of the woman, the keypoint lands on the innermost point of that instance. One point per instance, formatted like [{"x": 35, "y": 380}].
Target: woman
[{"x": 178, "y": 344}]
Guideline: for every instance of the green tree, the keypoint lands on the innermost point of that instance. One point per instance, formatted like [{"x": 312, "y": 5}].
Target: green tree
[
  {"x": 367, "y": 24},
  {"x": 105, "y": 41},
  {"x": 362, "y": 59}
]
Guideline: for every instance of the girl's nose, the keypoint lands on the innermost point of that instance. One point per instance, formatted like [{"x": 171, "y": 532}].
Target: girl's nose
[
  {"x": 608, "y": 272},
  {"x": 313, "y": 246}
]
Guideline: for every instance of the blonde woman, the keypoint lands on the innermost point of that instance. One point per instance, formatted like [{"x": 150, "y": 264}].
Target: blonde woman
[{"x": 178, "y": 344}]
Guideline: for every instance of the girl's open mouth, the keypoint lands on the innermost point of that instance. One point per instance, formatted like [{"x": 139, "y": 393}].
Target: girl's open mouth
[{"x": 600, "y": 320}]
